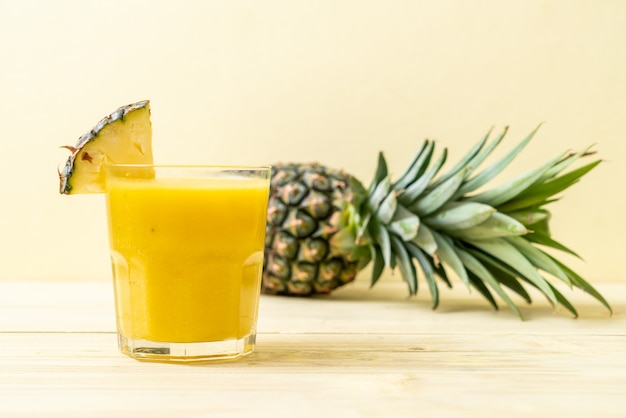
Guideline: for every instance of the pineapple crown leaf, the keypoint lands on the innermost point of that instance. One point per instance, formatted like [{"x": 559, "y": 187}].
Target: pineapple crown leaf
[
  {"x": 405, "y": 264},
  {"x": 512, "y": 188},
  {"x": 478, "y": 271},
  {"x": 562, "y": 300},
  {"x": 543, "y": 238},
  {"x": 583, "y": 284},
  {"x": 489, "y": 239},
  {"x": 529, "y": 216},
  {"x": 501, "y": 271},
  {"x": 359, "y": 194},
  {"x": 466, "y": 160},
  {"x": 507, "y": 253},
  {"x": 378, "y": 264},
  {"x": 405, "y": 224},
  {"x": 449, "y": 257},
  {"x": 571, "y": 157},
  {"x": 460, "y": 215},
  {"x": 539, "y": 259},
  {"x": 381, "y": 171},
  {"x": 429, "y": 272},
  {"x": 478, "y": 284},
  {"x": 493, "y": 170},
  {"x": 382, "y": 237},
  {"x": 496, "y": 225},
  {"x": 537, "y": 194},
  {"x": 419, "y": 185},
  {"x": 417, "y": 166},
  {"x": 436, "y": 197},
  {"x": 425, "y": 240},
  {"x": 379, "y": 191},
  {"x": 387, "y": 208}
]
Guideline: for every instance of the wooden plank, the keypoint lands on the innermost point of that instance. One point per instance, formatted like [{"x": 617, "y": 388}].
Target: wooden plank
[
  {"x": 56, "y": 306},
  {"x": 66, "y": 374}
]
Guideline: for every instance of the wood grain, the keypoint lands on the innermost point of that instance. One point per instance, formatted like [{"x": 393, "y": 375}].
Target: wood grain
[{"x": 356, "y": 353}]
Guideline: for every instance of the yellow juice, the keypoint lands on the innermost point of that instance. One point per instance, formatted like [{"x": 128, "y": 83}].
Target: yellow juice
[{"x": 187, "y": 256}]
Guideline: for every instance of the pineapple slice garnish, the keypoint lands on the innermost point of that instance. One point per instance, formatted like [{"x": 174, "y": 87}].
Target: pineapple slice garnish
[{"x": 123, "y": 137}]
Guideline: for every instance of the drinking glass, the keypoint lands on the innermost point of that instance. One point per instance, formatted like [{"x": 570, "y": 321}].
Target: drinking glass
[{"x": 186, "y": 246}]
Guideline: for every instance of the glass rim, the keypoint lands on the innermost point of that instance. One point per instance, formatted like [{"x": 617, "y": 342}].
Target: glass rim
[{"x": 191, "y": 166}]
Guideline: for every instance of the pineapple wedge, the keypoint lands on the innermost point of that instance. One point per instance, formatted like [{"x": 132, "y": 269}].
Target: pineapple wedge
[{"x": 123, "y": 137}]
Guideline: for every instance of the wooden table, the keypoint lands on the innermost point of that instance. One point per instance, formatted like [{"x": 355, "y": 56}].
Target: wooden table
[{"x": 357, "y": 353}]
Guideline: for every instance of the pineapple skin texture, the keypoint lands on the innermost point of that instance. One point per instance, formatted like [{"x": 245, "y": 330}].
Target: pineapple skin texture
[{"x": 306, "y": 211}]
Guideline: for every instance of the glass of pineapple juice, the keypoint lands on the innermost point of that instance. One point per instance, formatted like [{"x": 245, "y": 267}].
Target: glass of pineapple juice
[{"x": 187, "y": 256}]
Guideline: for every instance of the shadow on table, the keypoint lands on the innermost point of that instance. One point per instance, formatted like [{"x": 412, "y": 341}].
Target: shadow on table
[{"x": 461, "y": 300}]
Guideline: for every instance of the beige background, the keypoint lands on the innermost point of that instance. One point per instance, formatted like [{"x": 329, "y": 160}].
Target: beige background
[{"x": 336, "y": 81}]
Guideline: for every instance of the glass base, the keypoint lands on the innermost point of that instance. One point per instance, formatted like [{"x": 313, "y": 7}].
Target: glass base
[{"x": 186, "y": 352}]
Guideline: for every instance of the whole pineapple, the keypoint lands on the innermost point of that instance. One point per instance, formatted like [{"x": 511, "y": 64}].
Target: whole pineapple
[
  {"x": 308, "y": 220},
  {"x": 323, "y": 226}
]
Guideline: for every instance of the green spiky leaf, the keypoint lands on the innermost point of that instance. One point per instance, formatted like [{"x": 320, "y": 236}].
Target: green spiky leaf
[
  {"x": 387, "y": 208},
  {"x": 505, "y": 275},
  {"x": 512, "y": 188},
  {"x": 433, "y": 199},
  {"x": 359, "y": 194},
  {"x": 538, "y": 258},
  {"x": 407, "y": 269},
  {"x": 381, "y": 171},
  {"x": 382, "y": 238},
  {"x": 405, "y": 224},
  {"x": 478, "y": 269},
  {"x": 459, "y": 215},
  {"x": 538, "y": 194},
  {"x": 466, "y": 162},
  {"x": 497, "y": 225},
  {"x": 379, "y": 264},
  {"x": 529, "y": 216},
  {"x": 493, "y": 170},
  {"x": 449, "y": 257},
  {"x": 380, "y": 191},
  {"x": 583, "y": 284},
  {"x": 427, "y": 269},
  {"x": 425, "y": 240},
  {"x": 479, "y": 285},
  {"x": 567, "y": 161},
  {"x": 479, "y": 180},
  {"x": 415, "y": 189},
  {"x": 563, "y": 301},
  {"x": 502, "y": 250},
  {"x": 542, "y": 238},
  {"x": 417, "y": 166}
]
